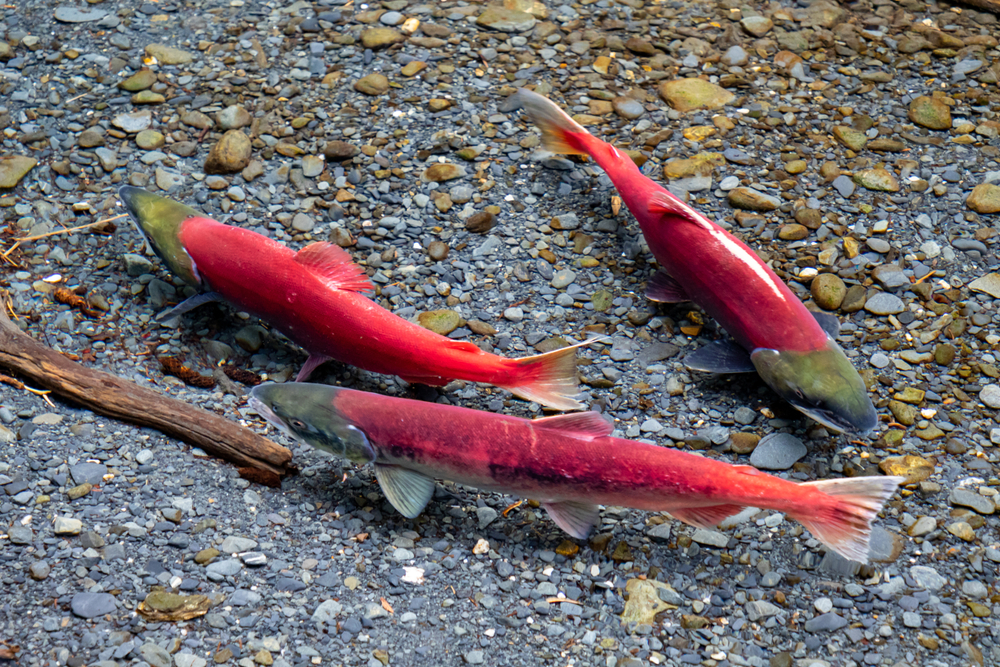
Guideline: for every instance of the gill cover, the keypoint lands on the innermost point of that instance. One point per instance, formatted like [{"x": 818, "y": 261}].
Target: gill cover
[
  {"x": 158, "y": 220},
  {"x": 308, "y": 413},
  {"x": 821, "y": 383}
]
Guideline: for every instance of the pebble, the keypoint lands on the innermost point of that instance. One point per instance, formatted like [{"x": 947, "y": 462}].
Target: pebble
[
  {"x": 882, "y": 303},
  {"x": 92, "y": 605},
  {"x": 777, "y": 451}
]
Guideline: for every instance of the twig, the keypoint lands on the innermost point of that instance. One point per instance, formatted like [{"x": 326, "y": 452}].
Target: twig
[{"x": 70, "y": 230}]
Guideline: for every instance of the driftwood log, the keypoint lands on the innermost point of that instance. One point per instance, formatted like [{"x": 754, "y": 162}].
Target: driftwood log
[{"x": 120, "y": 399}]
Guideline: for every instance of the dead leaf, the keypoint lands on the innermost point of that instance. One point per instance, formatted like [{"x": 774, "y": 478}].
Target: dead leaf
[
  {"x": 161, "y": 605},
  {"x": 387, "y": 606}
]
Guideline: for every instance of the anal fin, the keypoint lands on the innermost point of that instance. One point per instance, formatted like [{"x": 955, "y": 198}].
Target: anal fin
[
  {"x": 721, "y": 356},
  {"x": 575, "y": 517},
  {"x": 406, "y": 490},
  {"x": 188, "y": 305},
  {"x": 664, "y": 288},
  {"x": 705, "y": 517}
]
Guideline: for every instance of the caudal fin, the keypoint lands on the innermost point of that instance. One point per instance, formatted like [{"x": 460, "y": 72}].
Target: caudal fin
[
  {"x": 556, "y": 126},
  {"x": 549, "y": 379},
  {"x": 844, "y": 524}
]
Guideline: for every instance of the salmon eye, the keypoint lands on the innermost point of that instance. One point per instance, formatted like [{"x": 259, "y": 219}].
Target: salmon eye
[{"x": 298, "y": 424}]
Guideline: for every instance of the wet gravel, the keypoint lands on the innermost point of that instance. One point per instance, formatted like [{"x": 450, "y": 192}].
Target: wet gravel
[{"x": 853, "y": 146}]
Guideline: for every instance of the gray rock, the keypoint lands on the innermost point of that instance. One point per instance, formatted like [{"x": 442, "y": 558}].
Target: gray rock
[
  {"x": 928, "y": 577},
  {"x": 136, "y": 265},
  {"x": 882, "y": 303},
  {"x": 67, "y": 526},
  {"x": 990, "y": 395},
  {"x": 74, "y": 15},
  {"x": 777, "y": 451},
  {"x": 475, "y": 657},
  {"x": 87, "y": 472},
  {"x": 759, "y": 609},
  {"x": 844, "y": 185},
  {"x": 234, "y": 545},
  {"x": 224, "y": 568},
  {"x": 486, "y": 516},
  {"x": 660, "y": 531},
  {"x": 712, "y": 538},
  {"x": 327, "y": 611},
  {"x": 825, "y": 623},
  {"x": 964, "y": 498},
  {"x": 155, "y": 655},
  {"x": 92, "y": 605},
  {"x": 20, "y": 534}
]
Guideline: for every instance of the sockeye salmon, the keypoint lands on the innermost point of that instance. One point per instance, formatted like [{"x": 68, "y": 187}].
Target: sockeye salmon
[
  {"x": 319, "y": 298},
  {"x": 570, "y": 463},
  {"x": 791, "y": 347}
]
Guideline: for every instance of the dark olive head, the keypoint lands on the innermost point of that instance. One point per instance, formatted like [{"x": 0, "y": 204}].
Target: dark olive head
[
  {"x": 308, "y": 413},
  {"x": 821, "y": 383}
]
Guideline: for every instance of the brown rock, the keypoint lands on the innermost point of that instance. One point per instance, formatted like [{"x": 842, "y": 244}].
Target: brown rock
[
  {"x": 481, "y": 222},
  {"x": 231, "y": 154},
  {"x": 373, "y": 84}
]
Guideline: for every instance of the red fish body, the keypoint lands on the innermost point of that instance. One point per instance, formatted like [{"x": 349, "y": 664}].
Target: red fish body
[
  {"x": 317, "y": 297},
  {"x": 569, "y": 463},
  {"x": 702, "y": 262}
]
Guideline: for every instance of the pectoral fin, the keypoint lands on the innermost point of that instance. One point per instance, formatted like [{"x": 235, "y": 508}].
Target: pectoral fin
[
  {"x": 187, "y": 305},
  {"x": 705, "y": 517},
  {"x": 722, "y": 356},
  {"x": 575, "y": 517},
  {"x": 829, "y": 323},
  {"x": 312, "y": 363},
  {"x": 665, "y": 289},
  {"x": 406, "y": 490}
]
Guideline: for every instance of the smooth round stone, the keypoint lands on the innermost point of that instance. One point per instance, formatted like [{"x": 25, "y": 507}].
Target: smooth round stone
[
  {"x": 990, "y": 395},
  {"x": 777, "y": 451},
  {"x": 437, "y": 250},
  {"x": 92, "y": 605},
  {"x": 735, "y": 56},
  {"x": 879, "y": 360},
  {"x": 391, "y": 18},
  {"x": 627, "y": 107},
  {"x": 883, "y": 303},
  {"x": 514, "y": 314},
  {"x": 149, "y": 140},
  {"x": 563, "y": 278},
  {"x": 303, "y": 223}
]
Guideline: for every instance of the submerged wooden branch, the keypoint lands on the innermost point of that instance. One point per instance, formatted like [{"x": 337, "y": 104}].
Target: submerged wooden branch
[{"x": 114, "y": 397}]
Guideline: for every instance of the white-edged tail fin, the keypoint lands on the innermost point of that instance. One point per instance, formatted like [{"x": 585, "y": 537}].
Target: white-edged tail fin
[
  {"x": 550, "y": 379},
  {"x": 844, "y": 524},
  {"x": 554, "y": 123}
]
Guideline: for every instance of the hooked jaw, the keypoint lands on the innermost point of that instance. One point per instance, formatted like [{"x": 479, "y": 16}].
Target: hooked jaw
[
  {"x": 822, "y": 384},
  {"x": 307, "y": 412},
  {"x": 158, "y": 220}
]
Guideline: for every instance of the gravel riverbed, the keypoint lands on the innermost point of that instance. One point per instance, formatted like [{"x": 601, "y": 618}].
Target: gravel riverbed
[{"x": 855, "y": 146}]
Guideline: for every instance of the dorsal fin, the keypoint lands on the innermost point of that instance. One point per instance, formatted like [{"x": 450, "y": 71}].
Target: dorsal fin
[
  {"x": 664, "y": 203},
  {"x": 588, "y": 425},
  {"x": 333, "y": 265}
]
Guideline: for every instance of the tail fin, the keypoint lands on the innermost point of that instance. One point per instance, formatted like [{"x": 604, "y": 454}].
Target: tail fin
[
  {"x": 549, "y": 379},
  {"x": 844, "y": 523},
  {"x": 556, "y": 126}
]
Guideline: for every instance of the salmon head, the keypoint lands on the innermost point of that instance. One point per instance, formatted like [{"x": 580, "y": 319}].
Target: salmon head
[
  {"x": 308, "y": 413},
  {"x": 821, "y": 383},
  {"x": 159, "y": 221}
]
